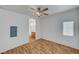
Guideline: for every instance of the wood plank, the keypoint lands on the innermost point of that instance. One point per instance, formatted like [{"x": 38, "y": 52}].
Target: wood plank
[{"x": 42, "y": 46}]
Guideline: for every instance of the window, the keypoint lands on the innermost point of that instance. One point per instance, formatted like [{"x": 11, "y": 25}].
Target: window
[{"x": 68, "y": 28}]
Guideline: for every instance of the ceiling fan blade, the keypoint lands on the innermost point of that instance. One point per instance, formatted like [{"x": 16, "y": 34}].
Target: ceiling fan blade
[
  {"x": 44, "y": 10},
  {"x": 34, "y": 10},
  {"x": 45, "y": 13},
  {"x": 38, "y": 9}
]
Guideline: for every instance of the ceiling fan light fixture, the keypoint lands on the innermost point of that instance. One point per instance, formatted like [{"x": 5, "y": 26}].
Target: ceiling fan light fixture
[{"x": 38, "y": 13}]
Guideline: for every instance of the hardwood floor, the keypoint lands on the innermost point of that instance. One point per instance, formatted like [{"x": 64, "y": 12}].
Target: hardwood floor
[{"x": 42, "y": 46}]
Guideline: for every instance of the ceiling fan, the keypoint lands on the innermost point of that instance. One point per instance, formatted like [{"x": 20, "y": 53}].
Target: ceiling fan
[{"x": 40, "y": 11}]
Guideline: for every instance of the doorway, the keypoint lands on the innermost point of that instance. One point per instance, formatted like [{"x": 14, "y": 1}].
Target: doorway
[{"x": 32, "y": 30}]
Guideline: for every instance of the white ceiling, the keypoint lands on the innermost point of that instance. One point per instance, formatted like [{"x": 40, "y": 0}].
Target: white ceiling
[
  {"x": 25, "y": 9},
  {"x": 16, "y": 8}
]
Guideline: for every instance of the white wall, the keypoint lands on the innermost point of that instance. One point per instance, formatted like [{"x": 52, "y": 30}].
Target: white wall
[
  {"x": 7, "y": 19},
  {"x": 51, "y": 28},
  {"x": 38, "y": 32}
]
